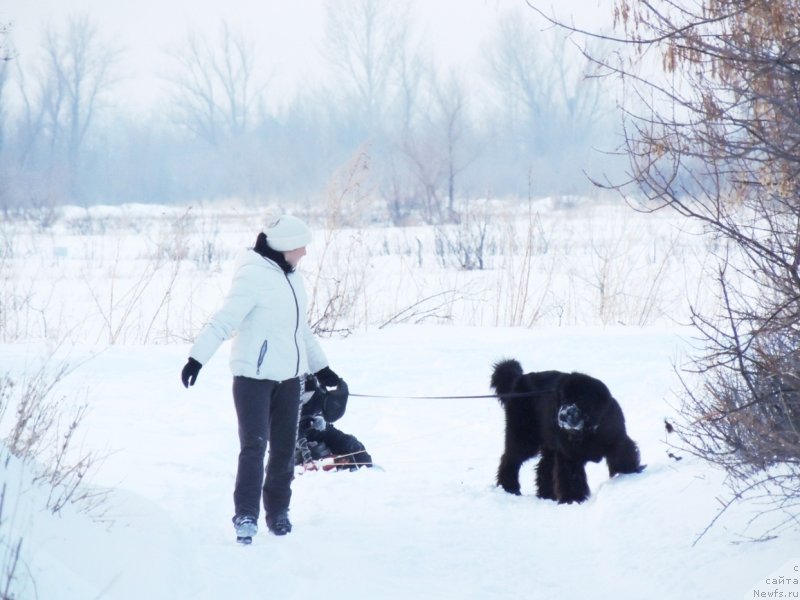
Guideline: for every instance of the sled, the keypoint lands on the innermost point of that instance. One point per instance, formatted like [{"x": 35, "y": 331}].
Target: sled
[{"x": 333, "y": 462}]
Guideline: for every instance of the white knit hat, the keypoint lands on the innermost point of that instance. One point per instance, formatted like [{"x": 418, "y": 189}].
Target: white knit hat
[{"x": 287, "y": 233}]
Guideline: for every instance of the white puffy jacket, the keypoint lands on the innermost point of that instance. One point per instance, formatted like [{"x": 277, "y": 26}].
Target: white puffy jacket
[{"x": 266, "y": 310}]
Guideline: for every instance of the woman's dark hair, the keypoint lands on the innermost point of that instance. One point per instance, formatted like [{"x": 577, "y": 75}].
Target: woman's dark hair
[{"x": 263, "y": 248}]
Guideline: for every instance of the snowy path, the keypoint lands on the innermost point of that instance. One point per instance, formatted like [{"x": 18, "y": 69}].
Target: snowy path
[{"x": 432, "y": 524}]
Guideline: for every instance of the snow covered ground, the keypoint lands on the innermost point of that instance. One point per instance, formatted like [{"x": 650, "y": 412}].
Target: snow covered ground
[{"x": 428, "y": 523}]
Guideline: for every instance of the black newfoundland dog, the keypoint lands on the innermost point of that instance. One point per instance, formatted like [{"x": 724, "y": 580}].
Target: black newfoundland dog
[{"x": 567, "y": 418}]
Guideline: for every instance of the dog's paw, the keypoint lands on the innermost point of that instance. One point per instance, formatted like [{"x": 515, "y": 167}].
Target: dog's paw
[
  {"x": 572, "y": 500},
  {"x": 511, "y": 490}
]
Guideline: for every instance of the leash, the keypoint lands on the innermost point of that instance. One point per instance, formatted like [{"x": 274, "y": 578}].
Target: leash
[{"x": 509, "y": 395}]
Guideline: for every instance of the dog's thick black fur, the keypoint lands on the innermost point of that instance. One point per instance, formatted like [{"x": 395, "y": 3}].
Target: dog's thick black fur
[{"x": 567, "y": 418}]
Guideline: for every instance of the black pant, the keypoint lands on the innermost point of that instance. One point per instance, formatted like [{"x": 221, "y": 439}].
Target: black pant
[{"x": 268, "y": 412}]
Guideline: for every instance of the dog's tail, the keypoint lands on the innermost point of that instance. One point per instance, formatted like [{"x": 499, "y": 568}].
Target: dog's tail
[{"x": 506, "y": 373}]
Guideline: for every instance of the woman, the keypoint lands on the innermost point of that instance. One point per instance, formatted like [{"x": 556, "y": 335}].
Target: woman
[{"x": 271, "y": 353}]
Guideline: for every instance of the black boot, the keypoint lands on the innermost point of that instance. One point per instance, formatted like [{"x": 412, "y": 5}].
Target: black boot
[{"x": 279, "y": 524}]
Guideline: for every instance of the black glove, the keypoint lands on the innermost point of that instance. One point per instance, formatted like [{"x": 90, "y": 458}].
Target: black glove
[
  {"x": 190, "y": 371},
  {"x": 327, "y": 377}
]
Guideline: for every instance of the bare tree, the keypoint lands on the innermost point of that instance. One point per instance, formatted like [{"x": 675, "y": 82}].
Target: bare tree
[
  {"x": 543, "y": 88},
  {"x": 6, "y": 50},
  {"x": 414, "y": 70},
  {"x": 6, "y": 56},
  {"x": 216, "y": 88},
  {"x": 58, "y": 112},
  {"x": 712, "y": 121},
  {"x": 78, "y": 70},
  {"x": 383, "y": 92},
  {"x": 452, "y": 101},
  {"x": 552, "y": 111},
  {"x": 364, "y": 44},
  {"x": 400, "y": 186},
  {"x": 438, "y": 150}
]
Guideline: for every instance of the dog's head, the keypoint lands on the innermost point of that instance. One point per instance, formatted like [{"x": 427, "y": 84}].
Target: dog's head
[{"x": 583, "y": 402}]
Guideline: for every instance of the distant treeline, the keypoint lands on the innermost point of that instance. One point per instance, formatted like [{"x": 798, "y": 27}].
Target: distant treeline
[{"x": 527, "y": 122}]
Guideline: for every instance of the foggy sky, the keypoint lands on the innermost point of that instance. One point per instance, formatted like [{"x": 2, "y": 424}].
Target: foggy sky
[{"x": 288, "y": 34}]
